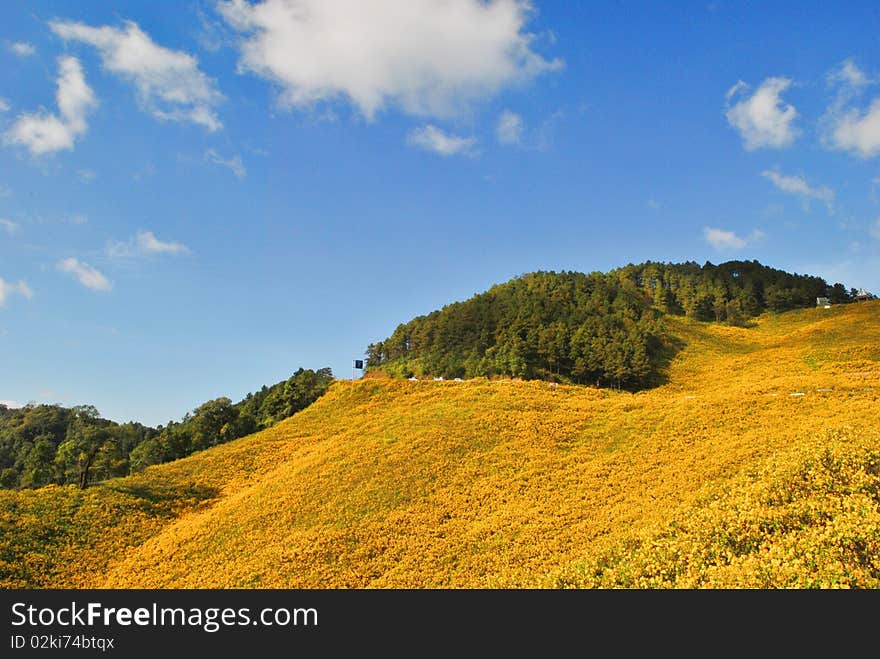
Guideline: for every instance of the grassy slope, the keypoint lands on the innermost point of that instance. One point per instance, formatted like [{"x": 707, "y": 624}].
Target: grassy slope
[{"x": 511, "y": 484}]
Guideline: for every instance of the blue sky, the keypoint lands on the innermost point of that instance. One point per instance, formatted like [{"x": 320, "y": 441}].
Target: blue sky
[{"x": 198, "y": 198}]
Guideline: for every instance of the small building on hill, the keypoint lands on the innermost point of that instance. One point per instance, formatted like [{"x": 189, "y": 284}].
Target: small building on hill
[
  {"x": 862, "y": 295},
  {"x": 823, "y": 302}
]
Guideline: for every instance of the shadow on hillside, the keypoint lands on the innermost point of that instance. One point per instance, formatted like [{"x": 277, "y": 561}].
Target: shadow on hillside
[
  {"x": 745, "y": 323},
  {"x": 163, "y": 493},
  {"x": 662, "y": 360}
]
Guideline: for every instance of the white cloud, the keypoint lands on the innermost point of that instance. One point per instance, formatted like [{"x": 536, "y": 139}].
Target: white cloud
[
  {"x": 143, "y": 243},
  {"x": 85, "y": 274},
  {"x": 11, "y": 404},
  {"x": 234, "y": 163},
  {"x": 857, "y": 131},
  {"x": 169, "y": 83},
  {"x": 148, "y": 242},
  {"x": 431, "y": 138},
  {"x": 8, "y": 289},
  {"x": 849, "y": 75},
  {"x": 8, "y": 226},
  {"x": 22, "y": 48},
  {"x": 509, "y": 128},
  {"x": 720, "y": 239},
  {"x": 763, "y": 119},
  {"x": 42, "y": 132},
  {"x": 432, "y": 58},
  {"x": 798, "y": 185},
  {"x": 847, "y": 128},
  {"x": 4, "y": 105},
  {"x": 874, "y": 229},
  {"x": 728, "y": 240}
]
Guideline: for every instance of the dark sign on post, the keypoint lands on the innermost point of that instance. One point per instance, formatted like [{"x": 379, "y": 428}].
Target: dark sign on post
[{"x": 359, "y": 363}]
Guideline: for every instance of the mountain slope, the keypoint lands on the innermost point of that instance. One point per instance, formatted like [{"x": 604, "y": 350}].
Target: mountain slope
[{"x": 388, "y": 483}]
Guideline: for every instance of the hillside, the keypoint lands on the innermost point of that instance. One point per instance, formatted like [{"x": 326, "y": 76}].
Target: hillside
[
  {"x": 50, "y": 444},
  {"x": 599, "y": 328},
  {"x": 756, "y": 464}
]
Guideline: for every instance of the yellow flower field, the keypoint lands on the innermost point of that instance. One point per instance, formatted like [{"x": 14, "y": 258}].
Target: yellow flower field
[{"x": 757, "y": 464}]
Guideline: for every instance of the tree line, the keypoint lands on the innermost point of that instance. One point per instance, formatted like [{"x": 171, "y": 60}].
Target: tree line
[
  {"x": 43, "y": 444},
  {"x": 731, "y": 292},
  {"x": 602, "y": 328}
]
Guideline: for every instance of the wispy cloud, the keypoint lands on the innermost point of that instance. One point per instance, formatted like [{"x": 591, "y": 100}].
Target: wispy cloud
[
  {"x": 426, "y": 58},
  {"x": 848, "y": 128},
  {"x": 431, "y": 138},
  {"x": 797, "y": 185},
  {"x": 11, "y": 404},
  {"x": 234, "y": 164},
  {"x": 8, "y": 289},
  {"x": 147, "y": 241},
  {"x": 84, "y": 274},
  {"x": 545, "y": 135},
  {"x": 762, "y": 119},
  {"x": 728, "y": 240},
  {"x": 169, "y": 84},
  {"x": 22, "y": 48},
  {"x": 509, "y": 129},
  {"x": 8, "y": 226},
  {"x": 43, "y": 132},
  {"x": 849, "y": 75},
  {"x": 212, "y": 34},
  {"x": 86, "y": 175},
  {"x": 4, "y": 105},
  {"x": 142, "y": 244}
]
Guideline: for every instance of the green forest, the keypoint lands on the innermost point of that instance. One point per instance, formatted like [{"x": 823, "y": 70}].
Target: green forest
[
  {"x": 599, "y": 328},
  {"x": 43, "y": 444}
]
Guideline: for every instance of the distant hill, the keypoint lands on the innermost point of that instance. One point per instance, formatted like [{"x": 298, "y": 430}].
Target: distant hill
[
  {"x": 572, "y": 327},
  {"x": 755, "y": 464},
  {"x": 43, "y": 444}
]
